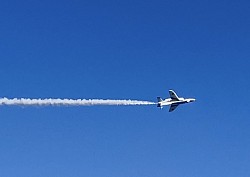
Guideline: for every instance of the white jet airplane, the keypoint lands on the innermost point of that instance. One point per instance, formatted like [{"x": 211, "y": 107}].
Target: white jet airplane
[{"x": 173, "y": 101}]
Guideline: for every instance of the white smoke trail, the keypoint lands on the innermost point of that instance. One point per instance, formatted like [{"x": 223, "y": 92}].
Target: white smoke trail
[{"x": 69, "y": 102}]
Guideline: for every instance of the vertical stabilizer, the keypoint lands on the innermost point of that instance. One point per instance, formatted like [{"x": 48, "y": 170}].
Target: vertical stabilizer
[{"x": 159, "y": 99}]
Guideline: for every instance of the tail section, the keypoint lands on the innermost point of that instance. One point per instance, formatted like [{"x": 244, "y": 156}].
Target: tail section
[{"x": 159, "y": 100}]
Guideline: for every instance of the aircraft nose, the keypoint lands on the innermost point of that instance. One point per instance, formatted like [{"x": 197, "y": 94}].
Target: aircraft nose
[{"x": 191, "y": 100}]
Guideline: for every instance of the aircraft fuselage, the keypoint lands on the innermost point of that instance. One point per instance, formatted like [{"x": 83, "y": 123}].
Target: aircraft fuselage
[{"x": 169, "y": 101}]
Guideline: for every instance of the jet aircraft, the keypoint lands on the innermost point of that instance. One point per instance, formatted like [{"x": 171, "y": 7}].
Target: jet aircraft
[{"x": 173, "y": 101}]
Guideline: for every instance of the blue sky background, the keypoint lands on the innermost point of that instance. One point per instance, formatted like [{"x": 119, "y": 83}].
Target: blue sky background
[{"x": 125, "y": 50}]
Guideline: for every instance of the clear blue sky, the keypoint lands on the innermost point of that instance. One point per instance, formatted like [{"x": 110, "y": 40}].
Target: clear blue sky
[{"x": 125, "y": 50}]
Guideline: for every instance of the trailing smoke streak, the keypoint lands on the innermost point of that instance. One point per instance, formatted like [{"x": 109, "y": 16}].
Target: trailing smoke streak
[{"x": 69, "y": 102}]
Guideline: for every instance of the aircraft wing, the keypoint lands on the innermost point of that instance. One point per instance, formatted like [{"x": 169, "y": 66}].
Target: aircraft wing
[
  {"x": 173, "y": 95},
  {"x": 173, "y": 107}
]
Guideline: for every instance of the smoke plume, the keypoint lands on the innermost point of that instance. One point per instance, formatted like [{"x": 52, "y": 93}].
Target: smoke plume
[{"x": 69, "y": 102}]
